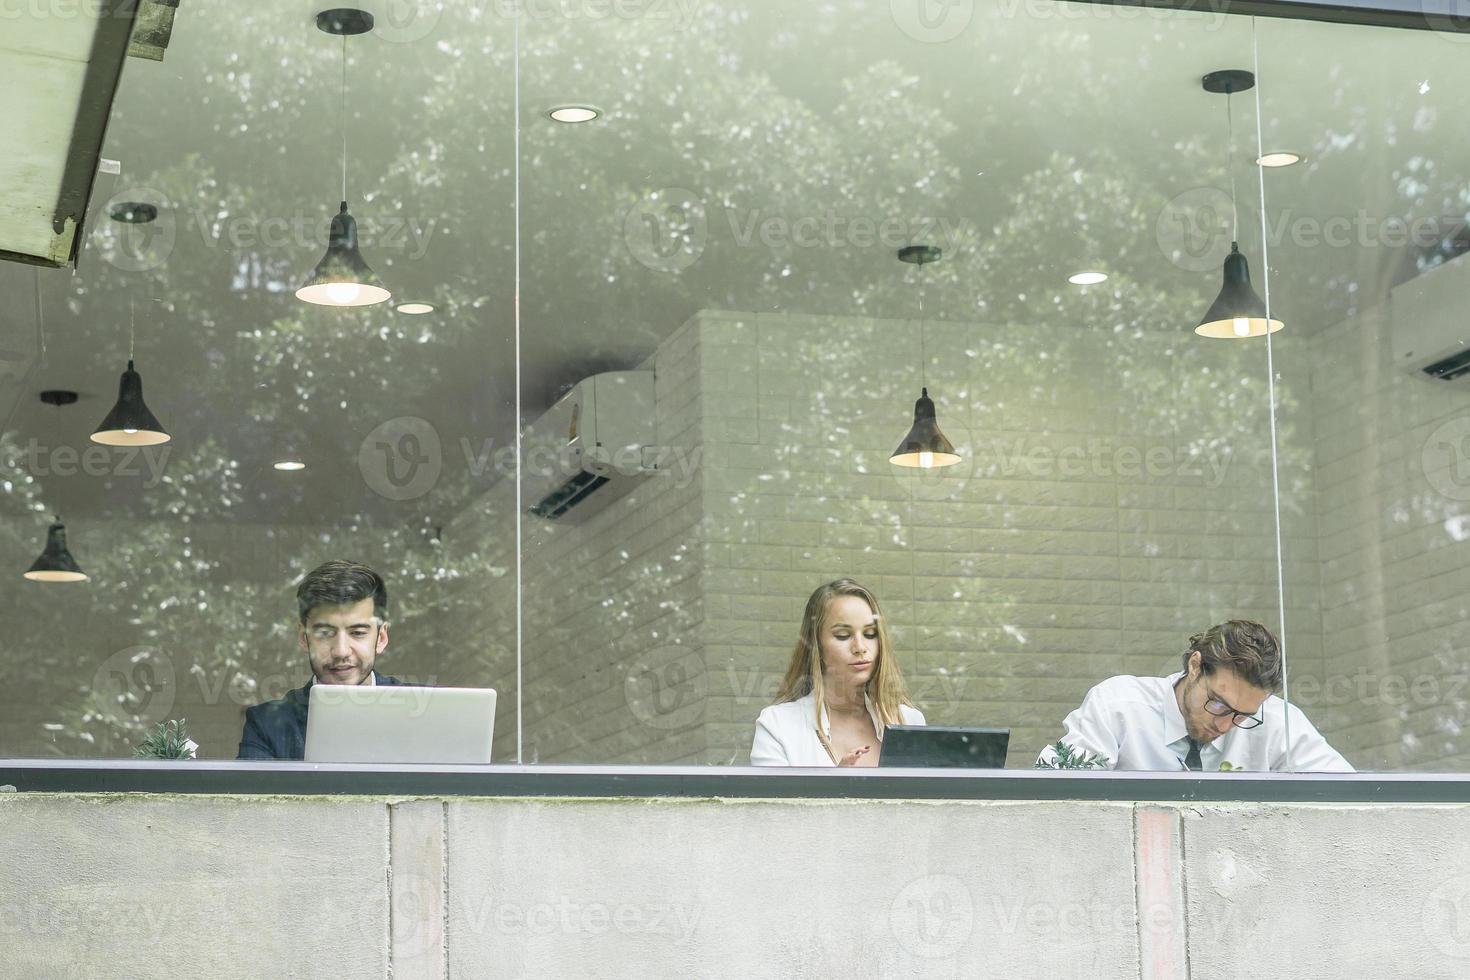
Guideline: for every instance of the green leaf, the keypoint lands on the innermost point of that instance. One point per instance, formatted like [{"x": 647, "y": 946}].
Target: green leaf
[
  {"x": 165, "y": 740},
  {"x": 1065, "y": 757}
]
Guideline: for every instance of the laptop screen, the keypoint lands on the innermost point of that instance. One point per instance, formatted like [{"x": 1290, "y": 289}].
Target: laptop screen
[{"x": 925, "y": 746}]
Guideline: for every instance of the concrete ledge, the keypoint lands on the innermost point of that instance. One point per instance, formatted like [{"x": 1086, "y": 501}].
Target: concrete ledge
[
  {"x": 734, "y": 782},
  {"x": 143, "y": 885},
  {"x": 782, "y": 889},
  {"x": 1329, "y": 891},
  {"x": 190, "y": 887}
]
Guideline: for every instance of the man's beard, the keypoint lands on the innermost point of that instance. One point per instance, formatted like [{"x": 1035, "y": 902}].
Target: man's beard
[
  {"x": 1199, "y": 734},
  {"x": 326, "y": 675}
]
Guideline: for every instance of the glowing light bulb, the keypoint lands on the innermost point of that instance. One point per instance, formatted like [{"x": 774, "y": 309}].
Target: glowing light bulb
[
  {"x": 926, "y": 460},
  {"x": 343, "y": 293},
  {"x": 1280, "y": 158},
  {"x": 1242, "y": 326},
  {"x": 131, "y": 432},
  {"x": 574, "y": 113}
]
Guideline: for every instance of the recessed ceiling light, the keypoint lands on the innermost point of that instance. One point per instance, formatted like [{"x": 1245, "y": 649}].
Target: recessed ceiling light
[
  {"x": 574, "y": 113},
  {"x": 415, "y": 309},
  {"x": 1279, "y": 158},
  {"x": 1087, "y": 278},
  {"x": 133, "y": 212},
  {"x": 289, "y": 465}
]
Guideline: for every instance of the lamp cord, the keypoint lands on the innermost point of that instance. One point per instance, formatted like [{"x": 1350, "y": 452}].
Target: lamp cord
[
  {"x": 40, "y": 319},
  {"x": 923, "y": 351},
  {"x": 40, "y": 358},
  {"x": 1230, "y": 125},
  {"x": 1271, "y": 400},
  {"x": 131, "y": 328},
  {"x": 520, "y": 616},
  {"x": 344, "y": 117}
]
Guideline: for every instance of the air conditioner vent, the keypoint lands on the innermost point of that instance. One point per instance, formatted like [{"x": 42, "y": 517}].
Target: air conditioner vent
[
  {"x": 1430, "y": 334},
  {"x": 599, "y": 432},
  {"x": 568, "y": 495},
  {"x": 1449, "y": 368}
]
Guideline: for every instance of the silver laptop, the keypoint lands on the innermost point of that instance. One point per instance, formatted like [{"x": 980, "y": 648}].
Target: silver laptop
[{"x": 398, "y": 723}]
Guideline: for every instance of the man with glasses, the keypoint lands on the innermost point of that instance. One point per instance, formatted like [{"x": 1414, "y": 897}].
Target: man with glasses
[
  {"x": 343, "y": 611},
  {"x": 1218, "y": 712}
]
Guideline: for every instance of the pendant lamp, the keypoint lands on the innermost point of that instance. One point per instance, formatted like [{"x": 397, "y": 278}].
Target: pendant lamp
[
  {"x": 130, "y": 423},
  {"x": 924, "y": 446},
  {"x": 342, "y": 277},
  {"x": 56, "y": 563},
  {"x": 1237, "y": 312}
]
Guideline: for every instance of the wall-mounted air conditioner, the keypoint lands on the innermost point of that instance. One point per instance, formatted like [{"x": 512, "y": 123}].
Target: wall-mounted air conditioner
[
  {"x": 1429, "y": 325},
  {"x": 599, "y": 432}
]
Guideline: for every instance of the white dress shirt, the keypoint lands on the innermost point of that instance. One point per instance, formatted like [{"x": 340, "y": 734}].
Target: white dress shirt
[
  {"x": 1135, "y": 723},
  {"x": 786, "y": 734}
]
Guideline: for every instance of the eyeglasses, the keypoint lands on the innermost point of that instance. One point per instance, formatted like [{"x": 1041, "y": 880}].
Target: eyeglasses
[{"x": 1239, "y": 719}]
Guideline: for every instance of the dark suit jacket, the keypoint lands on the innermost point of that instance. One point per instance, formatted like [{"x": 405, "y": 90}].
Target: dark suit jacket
[{"x": 277, "y": 729}]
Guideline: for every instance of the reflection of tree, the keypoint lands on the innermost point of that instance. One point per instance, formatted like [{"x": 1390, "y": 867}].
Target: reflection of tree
[
  {"x": 265, "y": 374},
  {"x": 712, "y": 115}
]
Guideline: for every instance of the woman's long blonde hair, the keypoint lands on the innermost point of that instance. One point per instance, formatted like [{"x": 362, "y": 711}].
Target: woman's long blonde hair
[{"x": 804, "y": 674}]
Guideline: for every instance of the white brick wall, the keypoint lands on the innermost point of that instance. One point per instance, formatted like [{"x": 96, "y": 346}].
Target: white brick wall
[
  {"x": 1060, "y": 552},
  {"x": 1115, "y": 498},
  {"x": 1393, "y": 684}
]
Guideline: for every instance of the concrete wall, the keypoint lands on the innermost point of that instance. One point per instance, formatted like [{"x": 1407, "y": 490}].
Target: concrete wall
[{"x": 144, "y": 886}]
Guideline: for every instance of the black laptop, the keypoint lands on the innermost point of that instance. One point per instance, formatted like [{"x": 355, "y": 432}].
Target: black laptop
[{"x": 925, "y": 746}]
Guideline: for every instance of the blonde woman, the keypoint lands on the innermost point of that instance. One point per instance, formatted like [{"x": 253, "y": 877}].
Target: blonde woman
[{"x": 842, "y": 689}]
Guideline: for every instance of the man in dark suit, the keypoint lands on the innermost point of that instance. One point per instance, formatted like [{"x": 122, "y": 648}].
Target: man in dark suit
[{"x": 343, "y": 611}]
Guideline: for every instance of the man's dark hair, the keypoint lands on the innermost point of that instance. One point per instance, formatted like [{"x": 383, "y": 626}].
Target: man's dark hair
[
  {"x": 1246, "y": 647},
  {"x": 341, "y": 583}
]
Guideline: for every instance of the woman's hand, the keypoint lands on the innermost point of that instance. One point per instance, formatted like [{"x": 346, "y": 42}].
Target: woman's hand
[{"x": 852, "y": 757}]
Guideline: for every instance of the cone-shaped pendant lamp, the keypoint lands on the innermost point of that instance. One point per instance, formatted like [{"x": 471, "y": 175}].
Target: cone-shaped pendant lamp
[
  {"x": 1237, "y": 312},
  {"x": 924, "y": 446},
  {"x": 342, "y": 277},
  {"x": 56, "y": 563},
  {"x": 130, "y": 423}
]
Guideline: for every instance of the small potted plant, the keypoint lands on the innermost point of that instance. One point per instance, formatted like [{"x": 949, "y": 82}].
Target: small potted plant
[
  {"x": 1066, "y": 757},
  {"x": 167, "y": 740}
]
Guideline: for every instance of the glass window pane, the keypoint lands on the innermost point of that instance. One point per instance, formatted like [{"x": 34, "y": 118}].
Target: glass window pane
[
  {"x": 1368, "y": 236},
  {"x": 194, "y": 547},
  {"x": 731, "y": 222}
]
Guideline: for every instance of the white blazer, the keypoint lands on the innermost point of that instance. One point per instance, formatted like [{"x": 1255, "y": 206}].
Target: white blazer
[{"x": 786, "y": 734}]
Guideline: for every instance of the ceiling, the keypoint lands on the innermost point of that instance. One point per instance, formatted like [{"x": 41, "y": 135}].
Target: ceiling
[
  {"x": 58, "y": 70},
  {"x": 751, "y": 156}
]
